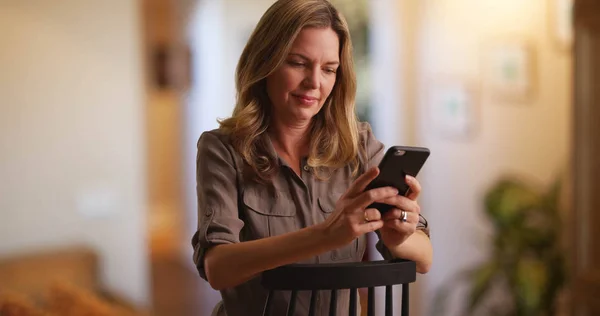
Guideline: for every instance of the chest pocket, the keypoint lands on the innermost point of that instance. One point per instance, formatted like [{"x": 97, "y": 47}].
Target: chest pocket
[
  {"x": 268, "y": 214},
  {"x": 349, "y": 252}
]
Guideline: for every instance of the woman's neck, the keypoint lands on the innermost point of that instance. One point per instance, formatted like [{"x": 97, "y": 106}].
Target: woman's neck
[{"x": 290, "y": 140}]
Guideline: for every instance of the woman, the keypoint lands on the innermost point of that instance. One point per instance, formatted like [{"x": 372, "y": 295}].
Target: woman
[{"x": 283, "y": 180}]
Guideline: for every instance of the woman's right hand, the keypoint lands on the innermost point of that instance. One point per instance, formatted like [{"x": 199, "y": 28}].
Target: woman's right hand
[{"x": 351, "y": 217}]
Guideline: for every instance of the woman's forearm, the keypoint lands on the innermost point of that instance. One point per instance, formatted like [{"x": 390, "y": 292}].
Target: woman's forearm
[
  {"x": 229, "y": 265},
  {"x": 416, "y": 248}
]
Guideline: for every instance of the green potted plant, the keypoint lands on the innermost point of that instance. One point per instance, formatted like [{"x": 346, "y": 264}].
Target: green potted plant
[{"x": 527, "y": 262}]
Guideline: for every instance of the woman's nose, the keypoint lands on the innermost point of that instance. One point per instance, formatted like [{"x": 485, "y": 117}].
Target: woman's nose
[{"x": 313, "y": 79}]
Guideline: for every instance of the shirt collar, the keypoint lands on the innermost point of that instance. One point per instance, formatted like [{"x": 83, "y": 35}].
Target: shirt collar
[{"x": 273, "y": 153}]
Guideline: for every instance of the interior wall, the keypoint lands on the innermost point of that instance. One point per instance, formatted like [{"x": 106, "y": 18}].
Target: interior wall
[
  {"x": 528, "y": 138},
  {"x": 72, "y": 135}
]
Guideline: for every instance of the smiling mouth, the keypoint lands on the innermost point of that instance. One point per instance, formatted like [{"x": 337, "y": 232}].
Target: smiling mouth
[{"x": 306, "y": 99}]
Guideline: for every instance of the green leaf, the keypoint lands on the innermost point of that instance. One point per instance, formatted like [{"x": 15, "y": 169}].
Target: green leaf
[
  {"x": 531, "y": 282},
  {"x": 507, "y": 202}
]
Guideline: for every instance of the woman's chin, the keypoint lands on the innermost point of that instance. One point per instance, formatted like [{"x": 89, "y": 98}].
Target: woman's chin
[
  {"x": 305, "y": 115},
  {"x": 298, "y": 114}
]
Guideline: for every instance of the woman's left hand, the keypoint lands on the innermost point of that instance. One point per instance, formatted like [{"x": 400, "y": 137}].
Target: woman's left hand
[{"x": 395, "y": 231}]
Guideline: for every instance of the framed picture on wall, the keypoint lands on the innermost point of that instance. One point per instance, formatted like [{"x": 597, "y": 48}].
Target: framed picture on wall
[
  {"x": 561, "y": 23},
  {"x": 509, "y": 68},
  {"x": 171, "y": 67},
  {"x": 452, "y": 108}
]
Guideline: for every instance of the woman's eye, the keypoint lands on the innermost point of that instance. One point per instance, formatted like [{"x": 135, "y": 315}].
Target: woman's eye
[
  {"x": 296, "y": 63},
  {"x": 330, "y": 70}
]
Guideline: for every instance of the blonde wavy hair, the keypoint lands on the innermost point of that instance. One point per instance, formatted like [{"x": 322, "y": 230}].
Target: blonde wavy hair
[{"x": 334, "y": 139}]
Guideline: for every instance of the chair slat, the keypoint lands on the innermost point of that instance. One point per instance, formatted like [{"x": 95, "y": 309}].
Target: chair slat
[
  {"x": 371, "y": 302},
  {"x": 268, "y": 304},
  {"x": 333, "y": 303},
  {"x": 313, "y": 302},
  {"x": 405, "y": 299},
  {"x": 352, "y": 311},
  {"x": 292, "y": 304},
  {"x": 389, "y": 300}
]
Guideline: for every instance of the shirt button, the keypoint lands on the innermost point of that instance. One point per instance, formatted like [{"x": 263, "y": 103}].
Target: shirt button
[{"x": 306, "y": 168}]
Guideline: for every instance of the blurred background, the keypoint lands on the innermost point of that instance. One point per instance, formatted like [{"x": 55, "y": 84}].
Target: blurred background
[{"x": 102, "y": 103}]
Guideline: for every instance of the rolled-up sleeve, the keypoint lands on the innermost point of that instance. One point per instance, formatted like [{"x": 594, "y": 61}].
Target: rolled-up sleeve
[
  {"x": 375, "y": 151},
  {"x": 216, "y": 186}
]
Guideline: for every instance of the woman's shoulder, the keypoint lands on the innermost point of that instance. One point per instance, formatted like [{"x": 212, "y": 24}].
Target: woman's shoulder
[
  {"x": 365, "y": 132},
  {"x": 216, "y": 143},
  {"x": 214, "y": 137},
  {"x": 364, "y": 127},
  {"x": 372, "y": 149}
]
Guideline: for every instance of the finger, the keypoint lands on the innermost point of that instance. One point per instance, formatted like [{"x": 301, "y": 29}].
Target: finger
[
  {"x": 368, "y": 197},
  {"x": 402, "y": 203},
  {"x": 372, "y": 214},
  {"x": 396, "y": 214},
  {"x": 370, "y": 226},
  {"x": 359, "y": 185},
  {"x": 414, "y": 187},
  {"x": 393, "y": 214},
  {"x": 399, "y": 226},
  {"x": 393, "y": 223}
]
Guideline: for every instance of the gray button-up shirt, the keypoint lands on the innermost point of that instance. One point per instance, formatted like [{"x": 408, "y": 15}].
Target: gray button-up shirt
[{"x": 232, "y": 209}]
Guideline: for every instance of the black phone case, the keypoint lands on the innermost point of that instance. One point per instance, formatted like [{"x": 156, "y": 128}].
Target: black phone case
[{"x": 397, "y": 162}]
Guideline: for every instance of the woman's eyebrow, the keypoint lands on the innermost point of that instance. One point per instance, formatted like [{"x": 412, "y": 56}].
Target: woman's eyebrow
[
  {"x": 300, "y": 55},
  {"x": 332, "y": 63}
]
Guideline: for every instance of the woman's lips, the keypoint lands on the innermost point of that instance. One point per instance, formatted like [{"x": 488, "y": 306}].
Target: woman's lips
[{"x": 305, "y": 99}]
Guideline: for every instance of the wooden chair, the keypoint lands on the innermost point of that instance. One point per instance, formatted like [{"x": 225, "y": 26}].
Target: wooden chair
[{"x": 333, "y": 277}]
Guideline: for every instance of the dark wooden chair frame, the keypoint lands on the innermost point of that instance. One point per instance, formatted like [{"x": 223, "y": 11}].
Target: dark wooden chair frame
[{"x": 333, "y": 277}]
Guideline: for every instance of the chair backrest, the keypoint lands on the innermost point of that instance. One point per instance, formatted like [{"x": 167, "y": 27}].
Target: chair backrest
[{"x": 333, "y": 277}]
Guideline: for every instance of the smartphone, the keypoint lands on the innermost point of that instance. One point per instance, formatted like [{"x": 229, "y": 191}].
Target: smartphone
[{"x": 397, "y": 162}]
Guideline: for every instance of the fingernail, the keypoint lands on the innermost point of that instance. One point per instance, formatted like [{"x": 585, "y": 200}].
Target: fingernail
[{"x": 408, "y": 178}]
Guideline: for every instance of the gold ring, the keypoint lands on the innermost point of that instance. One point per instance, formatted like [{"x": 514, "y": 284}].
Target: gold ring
[{"x": 405, "y": 216}]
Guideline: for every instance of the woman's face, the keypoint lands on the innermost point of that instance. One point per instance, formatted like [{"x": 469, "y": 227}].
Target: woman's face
[{"x": 299, "y": 87}]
